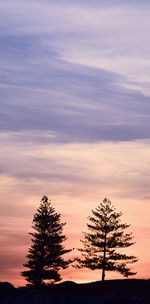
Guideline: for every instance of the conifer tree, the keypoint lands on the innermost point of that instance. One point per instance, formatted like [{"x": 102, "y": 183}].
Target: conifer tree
[
  {"x": 107, "y": 234},
  {"x": 45, "y": 254}
]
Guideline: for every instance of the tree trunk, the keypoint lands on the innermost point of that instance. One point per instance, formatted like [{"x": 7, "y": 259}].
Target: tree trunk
[{"x": 104, "y": 260}]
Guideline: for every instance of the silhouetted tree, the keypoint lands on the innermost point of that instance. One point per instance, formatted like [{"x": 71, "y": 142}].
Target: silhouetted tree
[
  {"x": 107, "y": 234},
  {"x": 45, "y": 255}
]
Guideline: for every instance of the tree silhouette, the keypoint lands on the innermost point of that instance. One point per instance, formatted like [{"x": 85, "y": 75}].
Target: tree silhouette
[
  {"x": 45, "y": 255},
  {"x": 106, "y": 235}
]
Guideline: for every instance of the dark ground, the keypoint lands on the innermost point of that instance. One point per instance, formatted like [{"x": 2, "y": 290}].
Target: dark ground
[{"x": 113, "y": 292}]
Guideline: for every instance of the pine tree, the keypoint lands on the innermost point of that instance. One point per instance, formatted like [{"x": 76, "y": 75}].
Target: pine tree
[
  {"x": 45, "y": 255},
  {"x": 107, "y": 234}
]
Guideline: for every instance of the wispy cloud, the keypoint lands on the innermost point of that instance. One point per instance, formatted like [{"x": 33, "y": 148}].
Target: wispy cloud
[
  {"x": 77, "y": 71},
  {"x": 111, "y": 36},
  {"x": 76, "y": 177},
  {"x": 74, "y": 114}
]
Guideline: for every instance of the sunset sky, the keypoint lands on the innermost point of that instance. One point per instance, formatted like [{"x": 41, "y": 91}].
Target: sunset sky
[{"x": 74, "y": 121}]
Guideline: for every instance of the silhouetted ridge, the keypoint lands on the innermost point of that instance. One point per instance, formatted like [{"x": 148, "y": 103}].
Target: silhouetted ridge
[
  {"x": 127, "y": 291},
  {"x": 124, "y": 287},
  {"x": 6, "y": 289},
  {"x": 67, "y": 284}
]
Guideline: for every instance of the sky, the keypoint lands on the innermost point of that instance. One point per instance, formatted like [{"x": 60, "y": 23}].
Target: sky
[{"x": 74, "y": 121}]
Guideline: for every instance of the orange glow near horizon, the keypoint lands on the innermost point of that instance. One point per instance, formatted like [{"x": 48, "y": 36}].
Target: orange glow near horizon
[
  {"x": 87, "y": 174},
  {"x": 74, "y": 122}
]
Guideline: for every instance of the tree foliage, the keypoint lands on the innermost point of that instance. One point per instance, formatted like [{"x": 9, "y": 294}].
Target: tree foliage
[
  {"x": 45, "y": 257},
  {"x": 106, "y": 235}
]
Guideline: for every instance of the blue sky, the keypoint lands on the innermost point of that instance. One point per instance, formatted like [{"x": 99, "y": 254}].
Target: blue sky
[{"x": 74, "y": 116}]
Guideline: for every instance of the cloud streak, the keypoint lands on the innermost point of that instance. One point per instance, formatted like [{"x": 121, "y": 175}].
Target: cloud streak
[
  {"x": 111, "y": 36},
  {"x": 74, "y": 117},
  {"x": 79, "y": 78}
]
